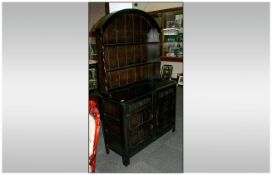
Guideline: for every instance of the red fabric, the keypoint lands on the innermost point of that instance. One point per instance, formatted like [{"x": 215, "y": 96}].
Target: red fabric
[{"x": 93, "y": 109}]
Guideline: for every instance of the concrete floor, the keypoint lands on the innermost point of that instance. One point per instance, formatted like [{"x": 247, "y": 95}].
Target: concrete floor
[{"x": 165, "y": 155}]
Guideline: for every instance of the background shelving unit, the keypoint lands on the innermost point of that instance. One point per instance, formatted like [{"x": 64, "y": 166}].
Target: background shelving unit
[{"x": 171, "y": 24}]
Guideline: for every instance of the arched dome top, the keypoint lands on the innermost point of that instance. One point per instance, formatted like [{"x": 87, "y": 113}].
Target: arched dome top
[
  {"x": 128, "y": 49},
  {"x": 105, "y": 21}
]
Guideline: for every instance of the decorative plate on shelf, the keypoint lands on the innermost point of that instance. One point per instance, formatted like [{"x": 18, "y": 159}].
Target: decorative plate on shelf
[{"x": 167, "y": 72}]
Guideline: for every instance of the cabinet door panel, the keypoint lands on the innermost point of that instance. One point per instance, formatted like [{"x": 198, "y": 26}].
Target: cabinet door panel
[
  {"x": 140, "y": 135},
  {"x": 139, "y": 118},
  {"x": 165, "y": 108},
  {"x": 140, "y": 122}
]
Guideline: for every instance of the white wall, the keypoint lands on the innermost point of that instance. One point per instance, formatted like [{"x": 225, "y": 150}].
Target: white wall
[
  {"x": 226, "y": 97},
  {"x": 96, "y": 11},
  {"x": 153, "y": 6},
  {"x": 45, "y": 87},
  {"x": 119, "y": 6}
]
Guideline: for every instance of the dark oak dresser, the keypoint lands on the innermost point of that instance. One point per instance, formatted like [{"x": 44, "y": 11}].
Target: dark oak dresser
[{"x": 136, "y": 105}]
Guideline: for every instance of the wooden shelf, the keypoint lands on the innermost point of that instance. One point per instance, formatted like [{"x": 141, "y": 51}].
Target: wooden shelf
[
  {"x": 132, "y": 65},
  {"x": 172, "y": 59},
  {"x": 129, "y": 43}
]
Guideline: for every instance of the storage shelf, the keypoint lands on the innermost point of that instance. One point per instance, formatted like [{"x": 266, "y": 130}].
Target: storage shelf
[
  {"x": 167, "y": 42},
  {"x": 92, "y": 61},
  {"x": 170, "y": 34},
  {"x": 92, "y": 89},
  {"x": 129, "y": 43},
  {"x": 173, "y": 28},
  {"x": 131, "y": 65},
  {"x": 172, "y": 59}
]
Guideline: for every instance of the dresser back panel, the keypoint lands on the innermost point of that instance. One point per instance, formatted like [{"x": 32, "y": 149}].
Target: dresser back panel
[{"x": 128, "y": 47}]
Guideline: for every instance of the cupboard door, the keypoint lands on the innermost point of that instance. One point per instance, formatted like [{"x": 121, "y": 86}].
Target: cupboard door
[
  {"x": 140, "y": 122},
  {"x": 140, "y": 135},
  {"x": 165, "y": 110}
]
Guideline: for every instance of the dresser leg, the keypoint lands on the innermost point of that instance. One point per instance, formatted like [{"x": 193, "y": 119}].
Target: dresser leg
[
  {"x": 126, "y": 161},
  {"x": 174, "y": 129},
  {"x": 107, "y": 149}
]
